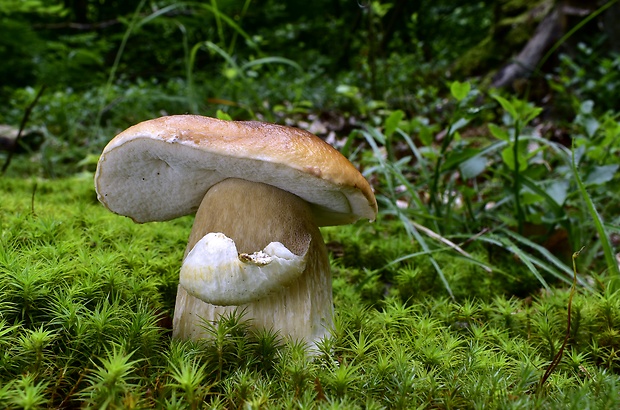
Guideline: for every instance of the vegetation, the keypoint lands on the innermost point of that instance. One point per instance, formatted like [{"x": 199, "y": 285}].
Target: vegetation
[
  {"x": 489, "y": 280},
  {"x": 87, "y": 297}
]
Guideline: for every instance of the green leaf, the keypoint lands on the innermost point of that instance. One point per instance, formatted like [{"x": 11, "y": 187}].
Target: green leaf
[
  {"x": 587, "y": 106},
  {"x": 509, "y": 159},
  {"x": 499, "y": 132},
  {"x": 591, "y": 125},
  {"x": 391, "y": 122},
  {"x": 558, "y": 191},
  {"x": 90, "y": 159},
  {"x": 457, "y": 157},
  {"x": 426, "y": 136},
  {"x": 347, "y": 90},
  {"x": 380, "y": 8},
  {"x": 460, "y": 90},
  {"x": 458, "y": 124},
  {"x": 230, "y": 73},
  {"x": 221, "y": 115},
  {"x": 507, "y": 106},
  {"x": 530, "y": 113},
  {"x": 546, "y": 192},
  {"x": 530, "y": 198},
  {"x": 601, "y": 174},
  {"x": 473, "y": 167}
]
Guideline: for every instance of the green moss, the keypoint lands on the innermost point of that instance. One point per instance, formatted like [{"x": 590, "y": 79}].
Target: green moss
[{"x": 84, "y": 294}]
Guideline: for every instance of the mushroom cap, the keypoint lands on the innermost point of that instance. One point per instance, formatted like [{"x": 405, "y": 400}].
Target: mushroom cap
[{"x": 161, "y": 169}]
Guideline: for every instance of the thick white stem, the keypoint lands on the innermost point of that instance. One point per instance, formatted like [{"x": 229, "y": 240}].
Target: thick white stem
[{"x": 253, "y": 215}]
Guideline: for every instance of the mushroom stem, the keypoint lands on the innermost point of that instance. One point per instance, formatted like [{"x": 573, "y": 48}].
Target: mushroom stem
[{"x": 254, "y": 215}]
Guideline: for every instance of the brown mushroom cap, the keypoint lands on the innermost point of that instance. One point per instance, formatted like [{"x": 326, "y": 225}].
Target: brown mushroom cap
[{"x": 161, "y": 169}]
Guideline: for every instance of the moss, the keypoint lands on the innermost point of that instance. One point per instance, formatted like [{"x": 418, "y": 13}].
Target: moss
[{"x": 84, "y": 293}]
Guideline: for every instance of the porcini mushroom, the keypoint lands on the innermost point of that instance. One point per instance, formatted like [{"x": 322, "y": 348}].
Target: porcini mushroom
[{"x": 260, "y": 191}]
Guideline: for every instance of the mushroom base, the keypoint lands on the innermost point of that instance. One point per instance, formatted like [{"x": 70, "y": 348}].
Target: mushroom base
[{"x": 253, "y": 215}]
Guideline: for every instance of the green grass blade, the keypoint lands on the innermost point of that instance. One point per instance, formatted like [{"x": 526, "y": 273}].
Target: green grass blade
[
  {"x": 272, "y": 60},
  {"x": 413, "y": 232},
  {"x": 612, "y": 265},
  {"x": 533, "y": 186},
  {"x": 561, "y": 270},
  {"x": 372, "y": 135},
  {"x": 230, "y": 22},
  {"x": 510, "y": 246},
  {"x": 540, "y": 249},
  {"x": 158, "y": 13}
]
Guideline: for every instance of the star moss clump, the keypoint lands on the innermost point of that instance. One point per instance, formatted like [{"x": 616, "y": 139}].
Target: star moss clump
[{"x": 85, "y": 321}]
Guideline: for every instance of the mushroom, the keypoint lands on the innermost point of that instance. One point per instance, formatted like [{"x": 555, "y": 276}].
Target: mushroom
[{"x": 260, "y": 191}]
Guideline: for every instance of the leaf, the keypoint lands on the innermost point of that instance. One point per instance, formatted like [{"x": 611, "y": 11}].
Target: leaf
[
  {"x": 601, "y": 174},
  {"x": 591, "y": 125},
  {"x": 392, "y": 121},
  {"x": 507, "y": 106},
  {"x": 426, "y": 136},
  {"x": 499, "y": 132},
  {"x": 587, "y": 106},
  {"x": 531, "y": 113},
  {"x": 544, "y": 192},
  {"x": 558, "y": 191},
  {"x": 578, "y": 152},
  {"x": 347, "y": 90},
  {"x": 509, "y": 159},
  {"x": 460, "y": 90},
  {"x": 473, "y": 167},
  {"x": 458, "y": 124},
  {"x": 230, "y": 73},
  {"x": 90, "y": 159},
  {"x": 221, "y": 115},
  {"x": 530, "y": 198},
  {"x": 456, "y": 158}
]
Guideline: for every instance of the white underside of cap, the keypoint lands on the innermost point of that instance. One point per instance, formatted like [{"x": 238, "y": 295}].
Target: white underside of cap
[
  {"x": 216, "y": 273},
  {"x": 153, "y": 180}
]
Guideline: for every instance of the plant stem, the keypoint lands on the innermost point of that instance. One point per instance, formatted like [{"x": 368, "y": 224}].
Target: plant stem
[
  {"x": 434, "y": 195},
  {"x": 558, "y": 357},
  {"x": 516, "y": 184}
]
